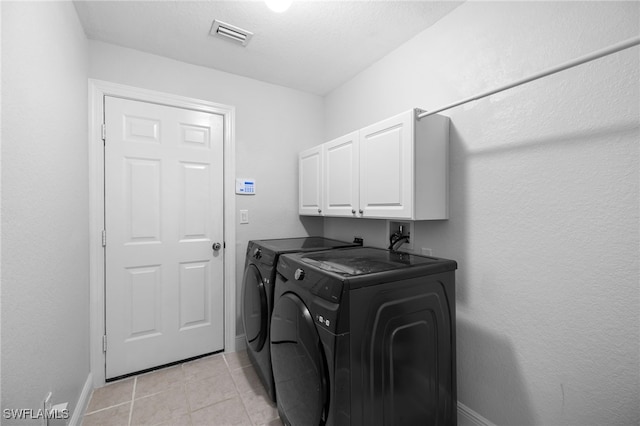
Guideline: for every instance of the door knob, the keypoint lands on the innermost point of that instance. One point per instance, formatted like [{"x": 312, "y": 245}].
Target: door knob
[{"x": 216, "y": 246}]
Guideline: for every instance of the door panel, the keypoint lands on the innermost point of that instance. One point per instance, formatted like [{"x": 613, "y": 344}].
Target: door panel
[
  {"x": 142, "y": 304},
  {"x": 195, "y": 187},
  {"x": 163, "y": 212},
  {"x": 194, "y": 294},
  {"x": 142, "y": 202}
]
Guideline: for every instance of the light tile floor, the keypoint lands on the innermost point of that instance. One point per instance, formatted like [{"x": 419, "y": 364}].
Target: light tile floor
[{"x": 215, "y": 390}]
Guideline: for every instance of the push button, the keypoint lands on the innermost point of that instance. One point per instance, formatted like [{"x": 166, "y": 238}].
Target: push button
[{"x": 324, "y": 321}]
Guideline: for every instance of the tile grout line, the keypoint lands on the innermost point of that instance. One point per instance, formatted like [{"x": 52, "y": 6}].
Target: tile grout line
[
  {"x": 238, "y": 391},
  {"x": 215, "y": 403},
  {"x": 133, "y": 398},
  {"x": 184, "y": 386},
  {"x": 105, "y": 408},
  {"x": 185, "y": 389},
  {"x": 226, "y": 399},
  {"x": 88, "y": 413},
  {"x": 242, "y": 367}
]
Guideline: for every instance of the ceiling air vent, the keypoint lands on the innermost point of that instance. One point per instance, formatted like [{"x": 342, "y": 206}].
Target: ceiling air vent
[{"x": 230, "y": 32}]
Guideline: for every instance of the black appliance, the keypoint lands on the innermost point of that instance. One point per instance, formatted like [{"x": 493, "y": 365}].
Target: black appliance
[
  {"x": 364, "y": 336},
  {"x": 257, "y": 294}
]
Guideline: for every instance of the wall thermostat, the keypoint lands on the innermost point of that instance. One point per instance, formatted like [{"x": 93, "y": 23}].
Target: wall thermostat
[{"x": 245, "y": 186}]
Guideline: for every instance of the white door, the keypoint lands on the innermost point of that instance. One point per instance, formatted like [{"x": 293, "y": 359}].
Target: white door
[
  {"x": 341, "y": 176},
  {"x": 386, "y": 168},
  {"x": 163, "y": 214},
  {"x": 310, "y": 182}
]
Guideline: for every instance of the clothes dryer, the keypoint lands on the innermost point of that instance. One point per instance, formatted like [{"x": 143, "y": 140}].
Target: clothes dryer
[
  {"x": 364, "y": 336},
  {"x": 257, "y": 294}
]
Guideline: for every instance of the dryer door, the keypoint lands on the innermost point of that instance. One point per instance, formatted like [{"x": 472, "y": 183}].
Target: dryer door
[
  {"x": 254, "y": 308},
  {"x": 299, "y": 365}
]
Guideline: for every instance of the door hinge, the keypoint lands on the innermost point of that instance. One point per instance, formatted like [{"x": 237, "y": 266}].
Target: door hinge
[
  {"x": 104, "y": 238},
  {"x": 104, "y": 132},
  {"x": 104, "y": 343}
]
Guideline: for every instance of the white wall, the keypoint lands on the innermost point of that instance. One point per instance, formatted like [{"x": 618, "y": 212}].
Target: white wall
[
  {"x": 45, "y": 240},
  {"x": 273, "y": 123},
  {"x": 544, "y": 202}
]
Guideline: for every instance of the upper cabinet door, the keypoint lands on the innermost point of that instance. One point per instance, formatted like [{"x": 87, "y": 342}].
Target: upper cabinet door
[
  {"x": 386, "y": 168},
  {"x": 341, "y": 176},
  {"x": 310, "y": 182}
]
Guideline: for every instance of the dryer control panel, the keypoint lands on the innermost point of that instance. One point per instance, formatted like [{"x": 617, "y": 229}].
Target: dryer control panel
[
  {"x": 323, "y": 321},
  {"x": 322, "y": 286},
  {"x": 326, "y": 315}
]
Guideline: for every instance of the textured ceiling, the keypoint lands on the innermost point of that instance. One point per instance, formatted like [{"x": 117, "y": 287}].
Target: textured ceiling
[{"x": 315, "y": 46}]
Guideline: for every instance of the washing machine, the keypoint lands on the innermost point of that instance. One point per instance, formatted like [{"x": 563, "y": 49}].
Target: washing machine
[
  {"x": 257, "y": 294},
  {"x": 364, "y": 336}
]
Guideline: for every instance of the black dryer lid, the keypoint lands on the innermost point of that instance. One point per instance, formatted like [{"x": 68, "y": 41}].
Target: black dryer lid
[
  {"x": 360, "y": 262},
  {"x": 286, "y": 245}
]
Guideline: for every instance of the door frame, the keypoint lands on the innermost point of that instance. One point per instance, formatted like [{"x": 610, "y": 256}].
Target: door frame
[{"x": 97, "y": 90}]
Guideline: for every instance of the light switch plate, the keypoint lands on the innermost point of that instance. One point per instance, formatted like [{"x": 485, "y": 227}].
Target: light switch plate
[{"x": 244, "y": 216}]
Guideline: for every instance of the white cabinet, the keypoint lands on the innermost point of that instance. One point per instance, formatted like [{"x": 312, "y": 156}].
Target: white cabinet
[
  {"x": 341, "y": 176},
  {"x": 310, "y": 181},
  {"x": 394, "y": 169},
  {"x": 386, "y": 168}
]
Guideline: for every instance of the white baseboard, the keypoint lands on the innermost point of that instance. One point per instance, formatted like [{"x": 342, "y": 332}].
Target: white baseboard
[
  {"x": 468, "y": 417},
  {"x": 83, "y": 401},
  {"x": 241, "y": 343}
]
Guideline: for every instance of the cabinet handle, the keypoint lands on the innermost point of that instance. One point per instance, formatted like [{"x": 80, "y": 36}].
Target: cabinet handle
[
  {"x": 361, "y": 211},
  {"x": 353, "y": 211},
  {"x": 319, "y": 210}
]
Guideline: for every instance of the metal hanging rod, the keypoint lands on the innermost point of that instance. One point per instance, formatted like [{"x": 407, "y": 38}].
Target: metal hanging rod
[{"x": 570, "y": 64}]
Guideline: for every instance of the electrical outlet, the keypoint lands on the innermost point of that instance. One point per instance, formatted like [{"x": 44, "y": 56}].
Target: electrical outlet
[{"x": 427, "y": 251}]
